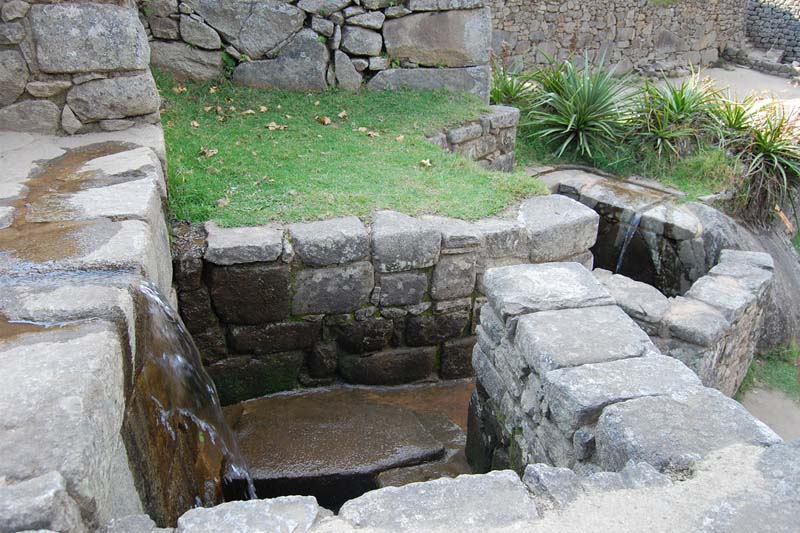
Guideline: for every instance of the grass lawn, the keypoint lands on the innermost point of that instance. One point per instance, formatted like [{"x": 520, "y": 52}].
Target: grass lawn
[
  {"x": 242, "y": 156},
  {"x": 775, "y": 370}
]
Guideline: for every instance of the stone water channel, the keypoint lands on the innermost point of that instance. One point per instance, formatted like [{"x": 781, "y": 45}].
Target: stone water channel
[{"x": 93, "y": 436}]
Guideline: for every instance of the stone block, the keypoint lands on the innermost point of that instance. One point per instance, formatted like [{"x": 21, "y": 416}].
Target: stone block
[
  {"x": 446, "y": 39},
  {"x": 458, "y": 236},
  {"x": 695, "y": 321},
  {"x": 333, "y": 289},
  {"x": 642, "y": 302},
  {"x": 188, "y": 247},
  {"x": 454, "y": 276},
  {"x": 300, "y": 66},
  {"x": 137, "y": 523},
  {"x": 400, "y": 242},
  {"x": 362, "y": 336},
  {"x": 121, "y": 97},
  {"x": 402, "y": 288},
  {"x": 196, "y": 310},
  {"x": 464, "y": 133},
  {"x": 456, "y": 360},
  {"x": 372, "y": 20},
  {"x": 724, "y": 293},
  {"x": 617, "y": 201},
  {"x": 498, "y": 498},
  {"x": 749, "y": 277},
  {"x": 674, "y": 432},
  {"x": 164, "y": 28},
  {"x": 197, "y": 33},
  {"x": 250, "y": 294},
  {"x": 30, "y": 116},
  {"x": 390, "y": 367},
  {"x": 323, "y": 7},
  {"x": 557, "y": 227},
  {"x": 672, "y": 221},
  {"x": 501, "y": 116},
  {"x": 13, "y": 76},
  {"x": 347, "y": 77},
  {"x": 571, "y": 337},
  {"x": 41, "y": 503},
  {"x": 502, "y": 238},
  {"x": 330, "y": 242},
  {"x": 521, "y": 289},
  {"x": 361, "y": 41},
  {"x": 576, "y": 396},
  {"x": 273, "y": 338},
  {"x": 758, "y": 259},
  {"x": 102, "y": 38},
  {"x": 426, "y": 330},
  {"x": 185, "y": 62},
  {"x": 231, "y": 246},
  {"x": 14, "y": 9},
  {"x": 287, "y": 513},
  {"x": 242, "y": 378},
  {"x": 322, "y": 361},
  {"x": 556, "y": 485},
  {"x": 473, "y": 80}
]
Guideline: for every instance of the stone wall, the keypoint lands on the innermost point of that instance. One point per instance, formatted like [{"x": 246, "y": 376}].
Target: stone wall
[
  {"x": 393, "y": 303},
  {"x": 641, "y": 34},
  {"x": 74, "y": 68},
  {"x": 566, "y": 378},
  {"x": 310, "y": 45},
  {"x": 775, "y": 25}
]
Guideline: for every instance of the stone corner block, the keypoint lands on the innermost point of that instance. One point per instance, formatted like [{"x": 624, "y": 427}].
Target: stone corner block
[
  {"x": 400, "y": 242},
  {"x": 230, "y": 246},
  {"x": 558, "y": 227},
  {"x": 330, "y": 242},
  {"x": 502, "y": 116}
]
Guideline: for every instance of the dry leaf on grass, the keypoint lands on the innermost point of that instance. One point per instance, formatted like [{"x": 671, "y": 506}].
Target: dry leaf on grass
[
  {"x": 325, "y": 121},
  {"x": 248, "y": 112},
  {"x": 223, "y": 202},
  {"x": 272, "y": 126},
  {"x": 208, "y": 108},
  {"x": 400, "y": 138},
  {"x": 373, "y": 134},
  {"x": 194, "y": 124},
  {"x": 263, "y": 109},
  {"x": 212, "y": 89},
  {"x": 316, "y": 103},
  {"x": 208, "y": 152},
  {"x": 178, "y": 89},
  {"x": 425, "y": 163},
  {"x": 362, "y": 129},
  {"x": 343, "y": 114}
]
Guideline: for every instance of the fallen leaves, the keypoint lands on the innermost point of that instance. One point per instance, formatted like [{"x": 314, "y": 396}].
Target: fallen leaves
[
  {"x": 212, "y": 89},
  {"x": 343, "y": 114},
  {"x": 272, "y": 126},
  {"x": 325, "y": 121},
  {"x": 248, "y": 112},
  {"x": 373, "y": 134},
  {"x": 194, "y": 124},
  {"x": 208, "y": 152},
  {"x": 425, "y": 163},
  {"x": 223, "y": 202},
  {"x": 179, "y": 89},
  {"x": 263, "y": 109},
  {"x": 400, "y": 138}
]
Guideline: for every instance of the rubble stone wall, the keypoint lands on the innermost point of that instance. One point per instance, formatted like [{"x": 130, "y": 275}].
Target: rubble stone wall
[
  {"x": 393, "y": 303},
  {"x": 310, "y": 45},
  {"x": 74, "y": 67},
  {"x": 641, "y": 34},
  {"x": 775, "y": 24}
]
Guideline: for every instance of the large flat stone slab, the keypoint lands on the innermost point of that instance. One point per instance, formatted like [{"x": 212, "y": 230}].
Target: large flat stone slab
[
  {"x": 466, "y": 503},
  {"x": 558, "y": 227},
  {"x": 572, "y": 337},
  {"x": 287, "y": 513},
  {"x": 230, "y": 246},
  {"x": 330, "y": 242},
  {"x": 673, "y": 432},
  {"x": 642, "y": 302},
  {"x": 400, "y": 242},
  {"x": 521, "y": 289}
]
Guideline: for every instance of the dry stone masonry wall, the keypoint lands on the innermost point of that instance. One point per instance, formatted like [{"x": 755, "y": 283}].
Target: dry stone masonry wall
[
  {"x": 310, "y": 45},
  {"x": 647, "y": 35},
  {"x": 393, "y": 303},
  {"x": 55, "y": 79},
  {"x": 775, "y": 25}
]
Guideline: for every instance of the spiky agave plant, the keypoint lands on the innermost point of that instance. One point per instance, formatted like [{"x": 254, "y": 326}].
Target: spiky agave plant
[{"x": 511, "y": 88}]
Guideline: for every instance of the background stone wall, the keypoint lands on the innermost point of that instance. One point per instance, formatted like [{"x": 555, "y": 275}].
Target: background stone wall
[
  {"x": 74, "y": 67},
  {"x": 644, "y": 34},
  {"x": 775, "y": 24},
  {"x": 271, "y": 307},
  {"x": 310, "y": 45}
]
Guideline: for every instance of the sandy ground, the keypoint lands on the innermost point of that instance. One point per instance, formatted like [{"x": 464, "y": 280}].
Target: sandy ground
[
  {"x": 742, "y": 82},
  {"x": 775, "y": 409}
]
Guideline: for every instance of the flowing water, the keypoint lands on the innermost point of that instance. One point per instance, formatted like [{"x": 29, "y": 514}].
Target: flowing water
[
  {"x": 187, "y": 435},
  {"x": 629, "y": 233}
]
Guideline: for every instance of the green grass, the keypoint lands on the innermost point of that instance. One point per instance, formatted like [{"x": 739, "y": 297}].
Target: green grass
[
  {"x": 776, "y": 370},
  {"x": 375, "y": 158},
  {"x": 710, "y": 170}
]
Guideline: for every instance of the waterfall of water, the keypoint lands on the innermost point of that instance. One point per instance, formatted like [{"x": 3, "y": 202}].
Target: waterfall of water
[
  {"x": 629, "y": 233},
  {"x": 184, "y": 398}
]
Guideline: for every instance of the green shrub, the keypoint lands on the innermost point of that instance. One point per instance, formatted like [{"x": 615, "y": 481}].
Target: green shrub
[
  {"x": 509, "y": 88},
  {"x": 731, "y": 120},
  {"x": 578, "y": 111}
]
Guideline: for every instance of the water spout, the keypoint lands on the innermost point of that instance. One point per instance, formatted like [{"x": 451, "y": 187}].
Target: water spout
[{"x": 629, "y": 233}]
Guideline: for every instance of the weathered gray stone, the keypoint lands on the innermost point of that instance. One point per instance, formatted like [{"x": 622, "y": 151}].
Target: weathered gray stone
[
  {"x": 571, "y": 337},
  {"x": 498, "y": 498},
  {"x": 448, "y": 39},
  {"x": 6, "y": 216},
  {"x": 403, "y": 288},
  {"x": 353, "y": 11},
  {"x": 457, "y": 359},
  {"x": 379, "y": 63},
  {"x": 361, "y": 41},
  {"x": 758, "y": 259},
  {"x": 30, "y": 116},
  {"x": 162, "y": 8},
  {"x": 333, "y": 289},
  {"x": 40, "y": 503},
  {"x": 436, "y": 5},
  {"x": 274, "y": 338},
  {"x": 251, "y": 293},
  {"x": 130, "y": 524},
  {"x": 750, "y": 277},
  {"x": 347, "y": 76},
  {"x": 101, "y": 38},
  {"x": 360, "y": 64},
  {"x": 397, "y": 11},
  {"x": 362, "y": 336},
  {"x": 577, "y": 396},
  {"x": 673, "y": 432},
  {"x": 114, "y": 98},
  {"x": 642, "y": 302},
  {"x": 672, "y": 221},
  {"x": 454, "y": 276},
  {"x": 724, "y": 293},
  {"x": 560, "y": 486},
  {"x": 322, "y": 7},
  {"x": 287, "y": 513},
  {"x": 520, "y": 289},
  {"x": 13, "y": 76},
  {"x": 502, "y": 238},
  {"x": 464, "y": 133},
  {"x": 322, "y": 26},
  {"x": 372, "y": 20},
  {"x": 695, "y": 321},
  {"x": 330, "y": 242},
  {"x": 501, "y": 116},
  {"x": 617, "y": 200},
  {"x": 164, "y": 28},
  {"x": 46, "y": 89},
  {"x": 231, "y": 246},
  {"x": 400, "y": 242},
  {"x": 473, "y": 80},
  {"x": 425, "y": 330},
  {"x": 254, "y": 28},
  {"x": 240, "y": 378},
  {"x": 13, "y": 10},
  {"x": 198, "y": 33},
  {"x": 457, "y": 235},
  {"x": 184, "y": 62},
  {"x": 641, "y": 475},
  {"x": 558, "y": 227},
  {"x": 390, "y": 367},
  {"x": 300, "y": 66}
]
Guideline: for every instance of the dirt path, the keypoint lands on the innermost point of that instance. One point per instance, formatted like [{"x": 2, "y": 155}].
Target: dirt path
[{"x": 775, "y": 409}]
